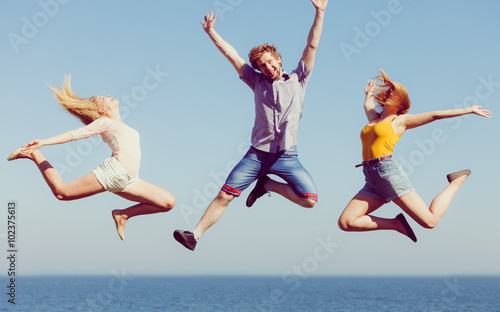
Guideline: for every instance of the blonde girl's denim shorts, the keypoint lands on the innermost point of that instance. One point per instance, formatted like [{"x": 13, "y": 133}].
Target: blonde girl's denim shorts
[
  {"x": 386, "y": 180},
  {"x": 113, "y": 177}
]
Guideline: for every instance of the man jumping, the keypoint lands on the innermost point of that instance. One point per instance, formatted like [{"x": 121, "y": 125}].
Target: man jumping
[{"x": 279, "y": 100}]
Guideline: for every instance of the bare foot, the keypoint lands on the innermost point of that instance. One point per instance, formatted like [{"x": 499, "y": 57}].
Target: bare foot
[
  {"x": 19, "y": 153},
  {"x": 119, "y": 222}
]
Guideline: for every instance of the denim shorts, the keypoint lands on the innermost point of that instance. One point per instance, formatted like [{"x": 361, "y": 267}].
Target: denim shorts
[
  {"x": 113, "y": 177},
  {"x": 285, "y": 164},
  {"x": 386, "y": 180}
]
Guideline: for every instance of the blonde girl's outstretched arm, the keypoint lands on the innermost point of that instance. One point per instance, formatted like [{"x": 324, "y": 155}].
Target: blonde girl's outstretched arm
[
  {"x": 96, "y": 127},
  {"x": 369, "y": 106},
  {"x": 414, "y": 121},
  {"x": 58, "y": 139}
]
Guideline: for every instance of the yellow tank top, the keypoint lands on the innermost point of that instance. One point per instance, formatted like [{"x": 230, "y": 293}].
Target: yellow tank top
[{"x": 378, "y": 140}]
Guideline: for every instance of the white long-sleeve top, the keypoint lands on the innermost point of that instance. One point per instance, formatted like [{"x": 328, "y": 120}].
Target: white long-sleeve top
[{"x": 123, "y": 141}]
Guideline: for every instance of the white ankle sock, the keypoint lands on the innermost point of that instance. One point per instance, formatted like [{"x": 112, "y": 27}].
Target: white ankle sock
[{"x": 197, "y": 234}]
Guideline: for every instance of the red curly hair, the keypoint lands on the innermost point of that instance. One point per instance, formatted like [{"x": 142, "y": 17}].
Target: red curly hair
[
  {"x": 256, "y": 53},
  {"x": 392, "y": 93}
]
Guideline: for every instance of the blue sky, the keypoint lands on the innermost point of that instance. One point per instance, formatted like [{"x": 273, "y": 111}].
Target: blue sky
[{"x": 195, "y": 117}]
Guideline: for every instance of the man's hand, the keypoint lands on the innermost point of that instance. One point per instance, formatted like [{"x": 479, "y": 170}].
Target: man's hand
[
  {"x": 209, "y": 22},
  {"x": 225, "y": 48},
  {"x": 309, "y": 53},
  {"x": 320, "y": 4}
]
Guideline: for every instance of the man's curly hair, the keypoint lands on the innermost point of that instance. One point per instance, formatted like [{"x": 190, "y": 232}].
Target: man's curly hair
[{"x": 256, "y": 53}]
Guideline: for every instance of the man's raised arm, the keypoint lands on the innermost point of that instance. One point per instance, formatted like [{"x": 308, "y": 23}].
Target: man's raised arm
[
  {"x": 315, "y": 33},
  {"x": 225, "y": 48}
]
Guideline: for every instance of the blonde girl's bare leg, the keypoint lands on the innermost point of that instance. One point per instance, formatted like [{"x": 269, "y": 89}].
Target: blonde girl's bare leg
[
  {"x": 85, "y": 186},
  {"x": 151, "y": 198}
]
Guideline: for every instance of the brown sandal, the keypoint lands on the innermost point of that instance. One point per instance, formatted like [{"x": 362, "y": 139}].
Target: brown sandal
[
  {"x": 458, "y": 174},
  {"x": 409, "y": 231}
]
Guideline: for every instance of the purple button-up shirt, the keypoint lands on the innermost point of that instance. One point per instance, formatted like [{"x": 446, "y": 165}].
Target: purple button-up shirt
[{"x": 278, "y": 107}]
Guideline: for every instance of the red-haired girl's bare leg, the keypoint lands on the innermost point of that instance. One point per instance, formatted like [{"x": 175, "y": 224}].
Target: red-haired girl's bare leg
[{"x": 414, "y": 206}]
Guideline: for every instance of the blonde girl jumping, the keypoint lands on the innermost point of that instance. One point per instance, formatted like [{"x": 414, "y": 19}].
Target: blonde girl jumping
[{"x": 117, "y": 174}]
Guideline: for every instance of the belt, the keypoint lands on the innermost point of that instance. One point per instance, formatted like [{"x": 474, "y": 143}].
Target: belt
[{"x": 373, "y": 161}]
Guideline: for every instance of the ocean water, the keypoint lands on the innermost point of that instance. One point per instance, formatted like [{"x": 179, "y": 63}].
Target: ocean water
[{"x": 254, "y": 293}]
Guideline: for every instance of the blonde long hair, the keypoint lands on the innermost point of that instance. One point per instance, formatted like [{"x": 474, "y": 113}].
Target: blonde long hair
[
  {"x": 392, "y": 93},
  {"x": 84, "y": 109}
]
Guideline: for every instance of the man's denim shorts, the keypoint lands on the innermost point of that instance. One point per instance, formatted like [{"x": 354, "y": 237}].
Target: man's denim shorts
[{"x": 285, "y": 164}]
